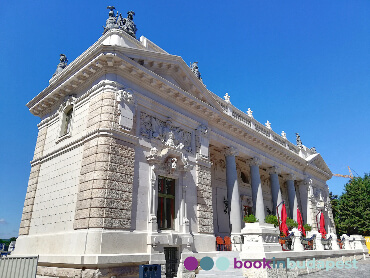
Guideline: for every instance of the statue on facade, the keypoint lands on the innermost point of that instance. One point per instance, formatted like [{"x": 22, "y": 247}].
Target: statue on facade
[
  {"x": 62, "y": 64},
  {"x": 250, "y": 113},
  {"x": 283, "y": 134},
  {"x": 118, "y": 22},
  {"x": 195, "y": 69},
  {"x": 127, "y": 24},
  {"x": 299, "y": 141},
  {"x": 111, "y": 22},
  {"x": 313, "y": 150}
]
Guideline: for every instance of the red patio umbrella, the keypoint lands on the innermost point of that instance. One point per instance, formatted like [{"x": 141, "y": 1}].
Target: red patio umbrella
[
  {"x": 300, "y": 222},
  {"x": 283, "y": 226},
  {"x": 322, "y": 225}
]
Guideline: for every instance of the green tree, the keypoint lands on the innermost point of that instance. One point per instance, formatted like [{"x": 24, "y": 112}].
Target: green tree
[{"x": 354, "y": 207}]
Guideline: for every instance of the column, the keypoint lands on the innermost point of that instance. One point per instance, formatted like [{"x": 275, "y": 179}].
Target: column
[
  {"x": 153, "y": 200},
  {"x": 293, "y": 205},
  {"x": 275, "y": 187},
  {"x": 303, "y": 187},
  {"x": 257, "y": 196},
  {"x": 233, "y": 196}
]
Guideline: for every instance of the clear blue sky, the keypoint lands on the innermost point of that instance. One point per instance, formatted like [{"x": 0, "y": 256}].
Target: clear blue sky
[{"x": 302, "y": 65}]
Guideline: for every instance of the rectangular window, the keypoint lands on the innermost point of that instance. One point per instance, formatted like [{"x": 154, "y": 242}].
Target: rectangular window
[{"x": 166, "y": 203}]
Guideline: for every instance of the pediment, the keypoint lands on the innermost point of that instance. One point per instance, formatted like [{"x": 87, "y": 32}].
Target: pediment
[
  {"x": 317, "y": 161},
  {"x": 176, "y": 71}
]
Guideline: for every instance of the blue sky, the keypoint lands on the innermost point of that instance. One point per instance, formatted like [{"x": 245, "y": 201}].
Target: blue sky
[{"x": 302, "y": 65}]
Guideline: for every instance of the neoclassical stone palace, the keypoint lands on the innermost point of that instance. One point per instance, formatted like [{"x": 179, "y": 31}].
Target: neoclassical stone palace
[{"x": 136, "y": 162}]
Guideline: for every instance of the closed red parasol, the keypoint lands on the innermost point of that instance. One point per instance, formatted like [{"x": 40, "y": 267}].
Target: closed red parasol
[
  {"x": 283, "y": 226},
  {"x": 300, "y": 222},
  {"x": 322, "y": 225}
]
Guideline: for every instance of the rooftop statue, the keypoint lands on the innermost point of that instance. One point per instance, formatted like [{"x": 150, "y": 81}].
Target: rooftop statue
[
  {"x": 194, "y": 68},
  {"x": 118, "y": 22},
  {"x": 62, "y": 64},
  {"x": 111, "y": 22},
  {"x": 127, "y": 24},
  {"x": 299, "y": 141}
]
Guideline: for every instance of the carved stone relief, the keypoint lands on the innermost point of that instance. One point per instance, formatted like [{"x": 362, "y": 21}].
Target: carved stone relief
[{"x": 164, "y": 131}]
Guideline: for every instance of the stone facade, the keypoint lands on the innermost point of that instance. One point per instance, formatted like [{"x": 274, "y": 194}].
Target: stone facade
[
  {"x": 119, "y": 120},
  {"x": 204, "y": 200},
  {"x": 105, "y": 189}
]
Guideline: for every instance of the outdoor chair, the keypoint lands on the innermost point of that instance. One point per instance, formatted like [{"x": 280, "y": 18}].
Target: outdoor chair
[
  {"x": 286, "y": 241},
  {"x": 326, "y": 243},
  {"x": 227, "y": 243},
  {"x": 308, "y": 242},
  {"x": 220, "y": 244}
]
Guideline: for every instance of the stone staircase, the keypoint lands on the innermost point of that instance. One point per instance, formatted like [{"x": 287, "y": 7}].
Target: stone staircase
[{"x": 230, "y": 272}]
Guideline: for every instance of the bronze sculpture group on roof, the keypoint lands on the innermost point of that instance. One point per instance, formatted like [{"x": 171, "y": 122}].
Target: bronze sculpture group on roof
[{"x": 118, "y": 22}]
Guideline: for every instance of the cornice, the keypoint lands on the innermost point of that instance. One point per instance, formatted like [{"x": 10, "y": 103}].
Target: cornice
[{"x": 100, "y": 59}]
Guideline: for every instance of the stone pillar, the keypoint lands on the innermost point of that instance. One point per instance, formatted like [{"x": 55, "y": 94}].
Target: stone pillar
[
  {"x": 233, "y": 196},
  {"x": 293, "y": 205},
  {"x": 275, "y": 187},
  {"x": 347, "y": 244},
  {"x": 257, "y": 196},
  {"x": 318, "y": 244},
  {"x": 334, "y": 241},
  {"x": 297, "y": 245}
]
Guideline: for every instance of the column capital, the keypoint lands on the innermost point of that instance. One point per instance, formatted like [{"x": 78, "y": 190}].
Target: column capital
[
  {"x": 289, "y": 177},
  {"x": 306, "y": 180},
  {"x": 274, "y": 170},
  {"x": 230, "y": 151},
  {"x": 255, "y": 161}
]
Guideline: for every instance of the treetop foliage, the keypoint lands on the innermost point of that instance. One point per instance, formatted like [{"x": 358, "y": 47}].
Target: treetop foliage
[{"x": 351, "y": 210}]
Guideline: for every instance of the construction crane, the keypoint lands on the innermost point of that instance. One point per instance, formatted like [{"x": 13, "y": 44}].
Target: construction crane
[{"x": 350, "y": 176}]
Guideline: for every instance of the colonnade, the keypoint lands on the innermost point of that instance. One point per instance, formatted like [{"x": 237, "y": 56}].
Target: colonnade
[{"x": 258, "y": 210}]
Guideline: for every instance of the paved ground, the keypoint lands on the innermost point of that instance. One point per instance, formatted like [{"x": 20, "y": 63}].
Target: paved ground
[{"x": 363, "y": 271}]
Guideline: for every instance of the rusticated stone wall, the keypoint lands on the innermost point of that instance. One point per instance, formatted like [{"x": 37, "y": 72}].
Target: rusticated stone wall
[
  {"x": 204, "y": 197},
  {"x": 32, "y": 184},
  {"x": 105, "y": 190}
]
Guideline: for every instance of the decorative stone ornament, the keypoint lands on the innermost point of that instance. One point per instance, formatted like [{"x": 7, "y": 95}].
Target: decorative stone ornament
[
  {"x": 268, "y": 124},
  {"x": 227, "y": 98},
  {"x": 250, "y": 113},
  {"x": 283, "y": 134}
]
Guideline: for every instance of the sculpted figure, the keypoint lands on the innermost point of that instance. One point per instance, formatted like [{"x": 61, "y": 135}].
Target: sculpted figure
[
  {"x": 127, "y": 24},
  {"x": 299, "y": 142},
  {"x": 62, "y": 64},
  {"x": 111, "y": 22},
  {"x": 195, "y": 69}
]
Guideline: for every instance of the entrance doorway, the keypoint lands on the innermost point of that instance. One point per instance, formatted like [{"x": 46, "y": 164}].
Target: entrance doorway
[{"x": 171, "y": 255}]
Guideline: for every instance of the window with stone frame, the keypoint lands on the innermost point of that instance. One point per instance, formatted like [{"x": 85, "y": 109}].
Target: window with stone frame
[
  {"x": 67, "y": 121},
  {"x": 166, "y": 203}
]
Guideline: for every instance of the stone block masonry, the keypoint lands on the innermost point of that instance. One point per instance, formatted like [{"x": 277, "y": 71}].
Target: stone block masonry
[
  {"x": 32, "y": 184},
  {"x": 105, "y": 190},
  {"x": 204, "y": 197}
]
